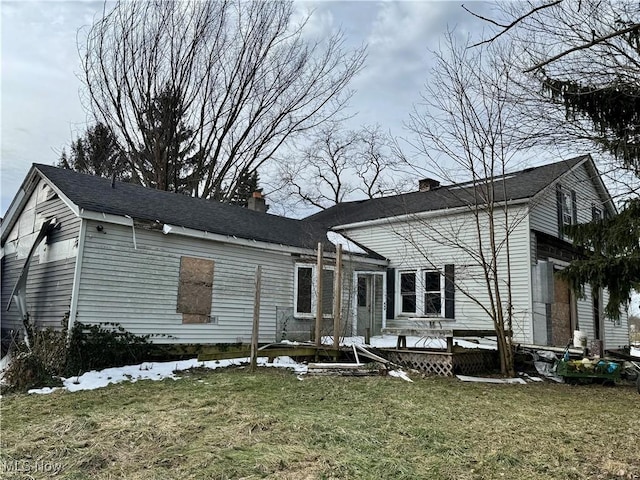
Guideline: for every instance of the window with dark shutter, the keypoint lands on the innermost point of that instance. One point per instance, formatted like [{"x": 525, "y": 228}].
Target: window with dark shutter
[{"x": 567, "y": 209}]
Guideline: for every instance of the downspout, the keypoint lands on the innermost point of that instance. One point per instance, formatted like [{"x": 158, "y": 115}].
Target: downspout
[{"x": 75, "y": 290}]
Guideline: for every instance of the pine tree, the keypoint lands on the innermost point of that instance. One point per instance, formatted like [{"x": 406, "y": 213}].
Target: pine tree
[
  {"x": 611, "y": 256},
  {"x": 97, "y": 153}
]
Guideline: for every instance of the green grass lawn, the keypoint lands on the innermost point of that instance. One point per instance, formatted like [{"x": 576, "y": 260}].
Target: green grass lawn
[{"x": 233, "y": 424}]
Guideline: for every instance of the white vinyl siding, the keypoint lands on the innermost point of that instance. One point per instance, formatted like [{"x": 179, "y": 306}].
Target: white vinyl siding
[
  {"x": 616, "y": 333},
  {"x": 544, "y": 210},
  {"x": 417, "y": 243}
]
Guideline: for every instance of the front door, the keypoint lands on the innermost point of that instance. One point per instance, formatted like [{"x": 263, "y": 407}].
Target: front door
[
  {"x": 369, "y": 296},
  {"x": 561, "y": 322}
]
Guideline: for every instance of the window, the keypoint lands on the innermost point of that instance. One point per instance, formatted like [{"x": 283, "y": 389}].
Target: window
[
  {"x": 303, "y": 286},
  {"x": 305, "y": 291},
  {"x": 596, "y": 213},
  {"x": 567, "y": 209},
  {"x": 362, "y": 291},
  {"x": 422, "y": 292},
  {"x": 408, "y": 292},
  {"x": 195, "y": 290},
  {"x": 432, "y": 293}
]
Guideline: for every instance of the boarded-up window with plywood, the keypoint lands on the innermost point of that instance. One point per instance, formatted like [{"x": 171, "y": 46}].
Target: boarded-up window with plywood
[{"x": 195, "y": 289}]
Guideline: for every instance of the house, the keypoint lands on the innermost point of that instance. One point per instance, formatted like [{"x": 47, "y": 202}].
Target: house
[
  {"x": 79, "y": 248},
  {"x": 433, "y": 243}
]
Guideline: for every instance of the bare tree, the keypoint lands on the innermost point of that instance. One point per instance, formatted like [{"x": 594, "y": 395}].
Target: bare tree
[
  {"x": 340, "y": 165},
  {"x": 464, "y": 127},
  {"x": 242, "y": 77},
  {"x": 581, "y": 77},
  {"x": 581, "y": 85}
]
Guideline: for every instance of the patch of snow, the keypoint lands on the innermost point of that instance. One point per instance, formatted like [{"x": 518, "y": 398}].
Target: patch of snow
[
  {"x": 4, "y": 363},
  {"x": 390, "y": 341},
  {"x": 347, "y": 245},
  {"x": 400, "y": 374},
  {"x": 157, "y": 371}
]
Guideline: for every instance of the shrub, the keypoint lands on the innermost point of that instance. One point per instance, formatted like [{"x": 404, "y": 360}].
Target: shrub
[
  {"x": 92, "y": 347},
  {"x": 89, "y": 347},
  {"x": 39, "y": 365}
]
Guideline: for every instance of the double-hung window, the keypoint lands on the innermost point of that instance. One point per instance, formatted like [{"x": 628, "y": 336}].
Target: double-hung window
[
  {"x": 421, "y": 293},
  {"x": 305, "y": 291},
  {"x": 408, "y": 292},
  {"x": 433, "y": 293},
  {"x": 567, "y": 209}
]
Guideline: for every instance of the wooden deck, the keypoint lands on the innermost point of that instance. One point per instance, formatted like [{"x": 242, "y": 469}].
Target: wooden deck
[{"x": 447, "y": 333}]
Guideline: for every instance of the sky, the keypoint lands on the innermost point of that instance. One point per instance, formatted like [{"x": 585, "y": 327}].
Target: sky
[{"x": 41, "y": 108}]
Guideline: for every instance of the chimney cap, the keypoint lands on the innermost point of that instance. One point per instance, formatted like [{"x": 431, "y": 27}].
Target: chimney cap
[{"x": 257, "y": 194}]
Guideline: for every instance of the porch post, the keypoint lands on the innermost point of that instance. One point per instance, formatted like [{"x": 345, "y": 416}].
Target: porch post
[
  {"x": 337, "y": 298},
  {"x": 319, "y": 296}
]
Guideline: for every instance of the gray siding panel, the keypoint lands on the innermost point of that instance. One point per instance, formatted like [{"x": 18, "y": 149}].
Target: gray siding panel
[
  {"x": 138, "y": 288},
  {"x": 50, "y": 280},
  {"x": 544, "y": 218}
]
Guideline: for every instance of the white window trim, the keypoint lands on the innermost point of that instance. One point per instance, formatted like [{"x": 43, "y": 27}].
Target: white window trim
[
  {"x": 566, "y": 204},
  {"x": 420, "y": 293},
  {"x": 600, "y": 214},
  {"x": 314, "y": 285}
]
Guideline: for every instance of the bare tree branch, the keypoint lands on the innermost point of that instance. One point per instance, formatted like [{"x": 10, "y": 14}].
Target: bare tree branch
[
  {"x": 509, "y": 26},
  {"x": 585, "y": 46},
  {"x": 245, "y": 81}
]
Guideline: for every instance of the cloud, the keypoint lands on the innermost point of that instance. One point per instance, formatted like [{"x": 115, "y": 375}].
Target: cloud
[{"x": 40, "y": 103}]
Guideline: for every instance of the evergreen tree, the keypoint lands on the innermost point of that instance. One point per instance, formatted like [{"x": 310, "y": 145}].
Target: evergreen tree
[
  {"x": 166, "y": 147},
  {"x": 611, "y": 259},
  {"x": 97, "y": 153},
  {"x": 247, "y": 184},
  {"x": 585, "y": 55}
]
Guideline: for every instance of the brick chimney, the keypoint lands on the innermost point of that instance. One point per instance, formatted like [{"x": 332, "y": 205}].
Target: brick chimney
[
  {"x": 257, "y": 202},
  {"x": 427, "y": 184}
]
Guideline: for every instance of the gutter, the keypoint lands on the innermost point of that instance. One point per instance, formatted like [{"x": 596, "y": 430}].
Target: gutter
[{"x": 169, "y": 229}]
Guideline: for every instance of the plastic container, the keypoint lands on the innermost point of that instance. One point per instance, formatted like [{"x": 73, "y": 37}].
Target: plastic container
[{"x": 579, "y": 339}]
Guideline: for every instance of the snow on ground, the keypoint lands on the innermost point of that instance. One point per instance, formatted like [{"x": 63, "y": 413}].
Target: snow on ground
[
  {"x": 157, "y": 371},
  {"x": 390, "y": 341},
  {"x": 161, "y": 370}
]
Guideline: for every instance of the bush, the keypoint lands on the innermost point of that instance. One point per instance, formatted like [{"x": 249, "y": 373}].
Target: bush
[
  {"x": 38, "y": 366},
  {"x": 89, "y": 347},
  {"x": 92, "y": 347}
]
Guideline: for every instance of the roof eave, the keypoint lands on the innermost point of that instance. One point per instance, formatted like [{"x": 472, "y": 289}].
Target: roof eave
[
  {"x": 27, "y": 187},
  {"x": 420, "y": 215}
]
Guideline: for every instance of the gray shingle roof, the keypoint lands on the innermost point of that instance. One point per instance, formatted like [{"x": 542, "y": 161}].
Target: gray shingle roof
[
  {"x": 518, "y": 185},
  {"x": 96, "y": 194}
]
